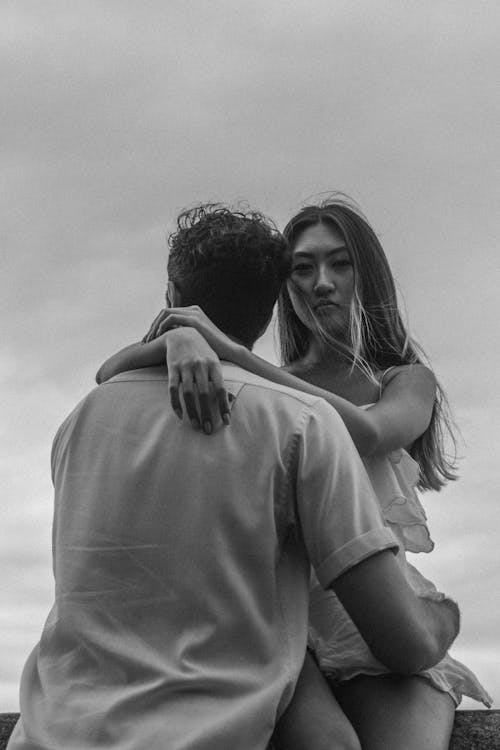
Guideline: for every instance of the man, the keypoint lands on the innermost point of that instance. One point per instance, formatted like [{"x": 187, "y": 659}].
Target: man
[{"x": 182, "y": 562}]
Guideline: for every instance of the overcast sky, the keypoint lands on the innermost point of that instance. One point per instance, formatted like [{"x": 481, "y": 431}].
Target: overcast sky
[{"x": 117, "y": 114}]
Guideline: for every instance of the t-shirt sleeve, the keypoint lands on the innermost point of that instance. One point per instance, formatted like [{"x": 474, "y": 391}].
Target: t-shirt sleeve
[{"x": 339, "y": 515}]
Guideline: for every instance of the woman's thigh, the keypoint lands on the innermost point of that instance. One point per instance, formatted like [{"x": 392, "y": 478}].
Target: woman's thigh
[
  {"x": 391, "y": 712},
  {"x": 314, "y": 719}
]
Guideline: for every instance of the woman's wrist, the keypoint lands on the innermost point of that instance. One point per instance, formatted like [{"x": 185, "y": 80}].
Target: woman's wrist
[{"x": 238, "y": 354}]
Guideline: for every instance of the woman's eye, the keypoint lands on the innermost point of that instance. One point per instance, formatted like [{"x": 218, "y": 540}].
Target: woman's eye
[
  {"x": 341, "y": 264},
  {"x": 302, "y": 268}
]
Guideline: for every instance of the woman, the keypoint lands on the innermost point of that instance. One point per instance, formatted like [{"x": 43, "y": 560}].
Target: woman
[{"x": 342, "y": 338}]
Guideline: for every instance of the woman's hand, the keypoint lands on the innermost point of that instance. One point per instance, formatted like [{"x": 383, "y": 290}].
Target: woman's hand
[
  {"x": 194, "y": 365},
  {"x": 193, "y": 317}
]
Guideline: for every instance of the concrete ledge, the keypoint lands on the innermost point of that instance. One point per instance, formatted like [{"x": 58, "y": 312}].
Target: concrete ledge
[
  {"x": 7, "y": 723},
  {"x": 476, "y": 730},
  {"x": 473, "y": 730}
]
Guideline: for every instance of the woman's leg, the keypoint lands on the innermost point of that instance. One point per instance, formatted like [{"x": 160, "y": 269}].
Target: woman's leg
[
  {"x": 391, "y": 712},
  {"x": 313, "y": 719}
]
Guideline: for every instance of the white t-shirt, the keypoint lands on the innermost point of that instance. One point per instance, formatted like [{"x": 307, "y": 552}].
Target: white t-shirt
[{"x": 181, "y": 563}]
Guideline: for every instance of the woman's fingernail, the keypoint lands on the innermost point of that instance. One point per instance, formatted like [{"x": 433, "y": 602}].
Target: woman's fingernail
[
  {"x": 208, "y": 428},
  {"x": 226, "y": 418}
]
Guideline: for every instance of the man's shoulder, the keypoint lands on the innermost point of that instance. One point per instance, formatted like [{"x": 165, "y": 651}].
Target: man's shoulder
[
  {"x": 232, "y": 374},
  {"x": 272, "y": 391},
  {"x": 159, "y": 372},
  {"x": 102, "y": 400}
]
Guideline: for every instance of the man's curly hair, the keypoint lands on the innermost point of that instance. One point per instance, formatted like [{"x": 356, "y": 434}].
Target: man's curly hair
[{"x": 231, "y": 264}]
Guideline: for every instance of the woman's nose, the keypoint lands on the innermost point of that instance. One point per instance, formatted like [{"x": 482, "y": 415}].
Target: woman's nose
[{"x": 324, "y": 283}]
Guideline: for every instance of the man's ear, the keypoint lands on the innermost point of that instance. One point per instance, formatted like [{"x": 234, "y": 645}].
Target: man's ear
[{"x": 173, "y": 296}]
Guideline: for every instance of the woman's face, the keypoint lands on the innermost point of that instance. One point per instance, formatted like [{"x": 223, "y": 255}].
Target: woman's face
[{"x": 321, "y": 285}]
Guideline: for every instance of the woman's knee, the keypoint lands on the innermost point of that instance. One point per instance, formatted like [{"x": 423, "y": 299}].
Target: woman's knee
[{"x": 406, "y": 713}]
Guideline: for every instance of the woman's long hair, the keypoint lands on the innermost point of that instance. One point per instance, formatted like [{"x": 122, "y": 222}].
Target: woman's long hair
[{"x": 377, "y": 337}]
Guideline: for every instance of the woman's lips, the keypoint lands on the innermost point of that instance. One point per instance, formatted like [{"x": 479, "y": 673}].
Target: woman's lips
[{"x": 326, "y": 303}]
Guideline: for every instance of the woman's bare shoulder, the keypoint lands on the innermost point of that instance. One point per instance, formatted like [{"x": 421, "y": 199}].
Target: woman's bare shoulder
[{"x": 408, "y": 375}]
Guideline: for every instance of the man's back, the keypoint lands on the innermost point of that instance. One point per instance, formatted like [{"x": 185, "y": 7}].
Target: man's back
[{"x": 181, "y": 566}]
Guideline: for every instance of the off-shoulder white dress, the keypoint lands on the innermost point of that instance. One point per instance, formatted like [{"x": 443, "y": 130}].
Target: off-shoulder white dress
[{"x": 338, "y": 646}]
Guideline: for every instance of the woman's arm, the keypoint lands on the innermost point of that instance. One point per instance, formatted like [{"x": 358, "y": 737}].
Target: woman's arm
[
  {"x": 132, "y": 357},
  {"x": 149, "y": 352},
  {"x": 400, "y": 416},
  {"x": 191, "y": 363},
  {"x": 152, "y": 350}
]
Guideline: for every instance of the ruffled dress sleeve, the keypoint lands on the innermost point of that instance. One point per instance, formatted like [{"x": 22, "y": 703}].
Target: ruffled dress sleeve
[{"x": 394, "y": 478}]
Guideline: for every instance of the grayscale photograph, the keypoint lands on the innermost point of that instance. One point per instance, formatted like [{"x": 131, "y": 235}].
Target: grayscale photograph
[{"x": 250, "y": 495}]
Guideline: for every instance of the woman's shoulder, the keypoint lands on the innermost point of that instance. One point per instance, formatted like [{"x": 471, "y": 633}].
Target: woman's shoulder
[{"x": 415, "y": 374}]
